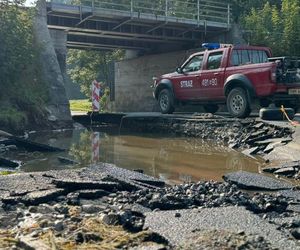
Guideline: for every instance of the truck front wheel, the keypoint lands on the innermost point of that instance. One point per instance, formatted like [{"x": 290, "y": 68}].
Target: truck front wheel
[
  {"x": 166, "y": 101},
  {"x": 237, "y": 103}
]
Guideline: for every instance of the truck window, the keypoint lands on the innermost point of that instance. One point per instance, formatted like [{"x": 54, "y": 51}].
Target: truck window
[
  {"x": 194, "y": 64},
  {"x": 214, "y": 60},
  {"x": 248, "y": 56}
]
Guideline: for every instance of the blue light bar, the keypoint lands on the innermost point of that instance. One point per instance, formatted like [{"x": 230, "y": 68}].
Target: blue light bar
[{"x": 211, "y": 45}]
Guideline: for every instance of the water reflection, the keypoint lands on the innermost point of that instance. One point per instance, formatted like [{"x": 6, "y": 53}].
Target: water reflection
[{"x": 171, "y": 159}]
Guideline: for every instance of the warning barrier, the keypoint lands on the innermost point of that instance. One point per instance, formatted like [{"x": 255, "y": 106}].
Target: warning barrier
[{"x": 96, "y": 96}]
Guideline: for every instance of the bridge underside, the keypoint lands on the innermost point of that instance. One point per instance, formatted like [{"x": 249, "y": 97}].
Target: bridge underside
[{"x": 106, "y": 29}]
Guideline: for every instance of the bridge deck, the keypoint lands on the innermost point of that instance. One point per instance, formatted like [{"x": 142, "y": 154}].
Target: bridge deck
[{"x": 128, "y": 24}]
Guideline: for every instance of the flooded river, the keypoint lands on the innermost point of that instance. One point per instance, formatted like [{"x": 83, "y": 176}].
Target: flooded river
[{"x": 171, "y": 159}]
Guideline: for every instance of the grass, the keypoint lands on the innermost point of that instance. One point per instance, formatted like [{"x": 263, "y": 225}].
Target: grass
[
  {"x": 81, "y": 105},
  {"x": 7, "y": 172},
  {"x": 110, "y": 237}
]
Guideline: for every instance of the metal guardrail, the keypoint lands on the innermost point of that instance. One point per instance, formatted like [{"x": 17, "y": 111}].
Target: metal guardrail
[{"x": 208, "y": 10}]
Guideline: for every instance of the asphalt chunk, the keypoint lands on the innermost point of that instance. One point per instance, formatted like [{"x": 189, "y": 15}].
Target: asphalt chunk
[
  {"x": 253, "y": 181},
  {"x": 178, "y": 230}
]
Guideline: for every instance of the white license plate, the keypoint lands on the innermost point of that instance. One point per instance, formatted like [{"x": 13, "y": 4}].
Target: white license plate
[{"x": 294, "y": 91}]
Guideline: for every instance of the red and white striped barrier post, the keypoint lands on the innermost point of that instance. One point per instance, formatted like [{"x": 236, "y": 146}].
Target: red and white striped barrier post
[
  {"x": 96, "y": 96},
  {"x": 95, "y": 137}
]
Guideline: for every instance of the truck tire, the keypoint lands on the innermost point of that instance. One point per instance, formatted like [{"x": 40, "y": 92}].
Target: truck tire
[
  {"x": 211, "y": 108},
  {"x": 237, "y": 103},
  {"x": 166, "y": 101},
  {"x": 275, "y": 114}
]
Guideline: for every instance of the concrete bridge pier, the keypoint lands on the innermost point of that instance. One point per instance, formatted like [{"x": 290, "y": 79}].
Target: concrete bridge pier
[
  {"x": 57, "y": 107},
  {"x": 59, "y": 41}
]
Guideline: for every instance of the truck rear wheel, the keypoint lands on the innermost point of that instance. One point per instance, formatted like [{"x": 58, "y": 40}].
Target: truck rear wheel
[
  {"x": 166, "y": 101},
  {"x": 237, "y": 103},
  {"x": 211, "y": 108}
]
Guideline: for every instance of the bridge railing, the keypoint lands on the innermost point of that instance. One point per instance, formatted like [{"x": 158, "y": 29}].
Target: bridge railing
[{"x": 209, "y": 10}]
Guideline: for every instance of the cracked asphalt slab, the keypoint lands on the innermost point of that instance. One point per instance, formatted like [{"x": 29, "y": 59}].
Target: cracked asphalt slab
[
  {"x": 254, "y": 181},
  {"x": 181, "y": 225},
  {"x": 33, "y": 188}
]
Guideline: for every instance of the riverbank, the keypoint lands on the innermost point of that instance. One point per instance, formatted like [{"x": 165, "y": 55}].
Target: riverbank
[{"x": 105, "y": 207}]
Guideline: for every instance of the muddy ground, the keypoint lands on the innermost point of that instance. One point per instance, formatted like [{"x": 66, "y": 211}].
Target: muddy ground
[{"x": 104, "y": 207}]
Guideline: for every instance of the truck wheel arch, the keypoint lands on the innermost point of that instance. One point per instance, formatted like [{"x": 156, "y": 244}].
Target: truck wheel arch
[
  {"x": 239, "y": 80},
  {"x": 163, "y": 84}
]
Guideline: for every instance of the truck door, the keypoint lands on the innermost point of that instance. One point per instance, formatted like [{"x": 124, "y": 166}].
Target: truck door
[
  {"x": 187, "y": 82},
  {"x": 212, "y": 77}
]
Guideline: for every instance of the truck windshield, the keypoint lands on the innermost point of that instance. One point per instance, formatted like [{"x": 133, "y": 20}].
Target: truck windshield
[{"x": 247, "y": 56}]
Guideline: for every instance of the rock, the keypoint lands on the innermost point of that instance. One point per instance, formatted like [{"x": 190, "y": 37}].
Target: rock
[
  {"x": 44, "y": 209},
  {"x": 32, "y": 209},
  {"x": 45, "y": 223},
  {"x": 61, "y": 209},
  {"x": 111, "y": 219},
  {"x": 79, "y": 237},
  {"x": 134, "y": 224},
  {"x": 251, "y": 151},
  {"x": 59, "y": 225},
  {"x": 177, "y": 215},
  {"x": 259, "y": 125},
  {"x": 92, "y": 237},
  {"x": 82, "y": 237},
  {"x": 248, "y": 180},
  {"x": 274, "y": 141},
  {"x": 8, "y": 220},
  {"x": 30, "y": 243},
  {"x": 73, "y": 199},
  {"x": 137, "y": 208},
  {"x": 270, "y": 169},
  {"x": 91, "y": 209},
  {"x": 271, "y": 147},
  {"x": 296, "y": 233},
  {"x": 287, "y": 171}
]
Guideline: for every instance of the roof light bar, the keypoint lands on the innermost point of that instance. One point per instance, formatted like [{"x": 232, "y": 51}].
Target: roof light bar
[{"x": 211, "y": 46}]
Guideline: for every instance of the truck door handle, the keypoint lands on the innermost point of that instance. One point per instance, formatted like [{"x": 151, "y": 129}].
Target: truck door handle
[{"x": 216, "y": 74}]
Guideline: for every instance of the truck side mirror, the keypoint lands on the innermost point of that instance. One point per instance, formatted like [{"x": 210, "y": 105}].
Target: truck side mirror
[{"x": 179, "y": 70}]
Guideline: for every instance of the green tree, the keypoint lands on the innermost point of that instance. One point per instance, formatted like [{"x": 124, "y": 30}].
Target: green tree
[
  {"x": 21, "y": 92},
  {"x": 276, "y": 27},
  {"x": 84, "y": 66},
  {"x": 243, "y": 7}
]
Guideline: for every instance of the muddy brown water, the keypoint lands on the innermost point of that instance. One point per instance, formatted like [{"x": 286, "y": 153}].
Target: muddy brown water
[{"x": 174, "y": 160}]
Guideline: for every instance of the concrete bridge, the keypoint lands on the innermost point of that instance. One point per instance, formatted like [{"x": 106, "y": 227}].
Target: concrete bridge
[
  {"x": 150, "y": 26},
  {"x": 156, "y": 34}
]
